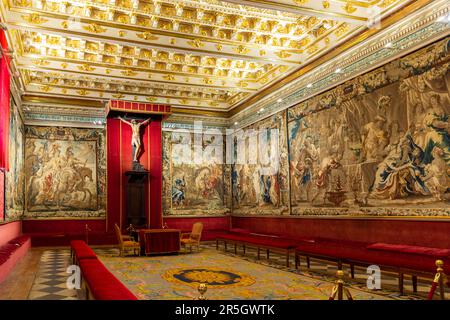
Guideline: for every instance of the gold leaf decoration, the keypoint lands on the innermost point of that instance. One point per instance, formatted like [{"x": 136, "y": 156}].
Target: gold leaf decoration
[
  {"x": 213, "y": 104},
  {"x": 118, "y": 95},
  {"x": 122, "y": 33},
  {"x": 386, "y": 3},
  {"x": 312, "y": 49},
  {"x": 283, "y": 54},
  {"x": 108, "y": 71},
  {"x": 173, "y": 41},
  {"x": 264, "y": 80},
  {"x": 349, "y": 8},
  {"x": 262, "y": 52},
  {"x": 196, "y": 43},
  {"x": 86, "y": 67},
  {"x": 129, "y": 73},
  {"x": 150, "y": 99},
  {"x": 147, "y": 36},
  {"x": 301, "y": 2},
  {"x": 325, "y": 4},
  {"x": 241, "y": 49},
  {"x": 45, "y": 88},
  {"x": 64, "y": 91},
  {"x": 341, "y": 30},
  {"x": 242, "y": 84},
  {"x": 65, "y": 24},
  {"x": 283, "y": 68},
  {"x": 169, "y": 77},
  {"x": 184, "y": 101},
  {"x": 82, "y": 92},
  {"x": 34, "y": 18},
  {"x": 41, "y": 62},
  {"x": 219, "y": 47},
  {"x": 94, "y": 28},
  {"x": 207, "y": 81}
]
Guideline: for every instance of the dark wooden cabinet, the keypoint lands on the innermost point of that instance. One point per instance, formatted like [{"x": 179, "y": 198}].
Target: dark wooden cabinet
[{"x": 135, "y": 198}]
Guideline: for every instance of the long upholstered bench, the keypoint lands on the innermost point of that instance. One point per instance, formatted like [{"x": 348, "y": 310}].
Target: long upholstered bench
[
  {"x": 11, "y": 252},
  {"x": 402, "y": 259},
  {"x": 266, "y": 242},
  {"x": 79, "y": 250},
  {"x": 99, "y": 282}
]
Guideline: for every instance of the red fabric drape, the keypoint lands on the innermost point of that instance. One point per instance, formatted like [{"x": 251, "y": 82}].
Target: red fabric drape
[{"x": 4, "y": 105}]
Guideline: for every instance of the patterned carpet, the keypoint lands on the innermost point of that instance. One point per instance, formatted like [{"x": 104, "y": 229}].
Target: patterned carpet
[
  {"x": 229, "y": 276},
  {"x": 176, "y": 277}
]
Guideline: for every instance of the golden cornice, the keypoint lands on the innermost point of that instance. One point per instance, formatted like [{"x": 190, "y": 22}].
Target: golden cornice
[{"x": 363, "y": 35}]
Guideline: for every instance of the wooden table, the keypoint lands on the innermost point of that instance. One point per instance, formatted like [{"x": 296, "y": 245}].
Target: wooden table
[{"x": 157, "y": 241}]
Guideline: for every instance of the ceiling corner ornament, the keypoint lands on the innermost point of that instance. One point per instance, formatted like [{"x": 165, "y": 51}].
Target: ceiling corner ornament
[
  {"x": 34, "y": 18},
  {"x": 94, "y": 28},
  {"x": 196, "y": 43},
  {"x": 147, "y": 36},
  {"x": 86, "y": 67}
]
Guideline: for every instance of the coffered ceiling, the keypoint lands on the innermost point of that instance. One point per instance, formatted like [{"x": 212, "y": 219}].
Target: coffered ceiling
[{"x": 193, "y": 54}]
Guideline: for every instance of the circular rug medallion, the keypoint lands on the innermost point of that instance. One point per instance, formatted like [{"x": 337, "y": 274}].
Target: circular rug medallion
[{"x": 214, "y": 277}]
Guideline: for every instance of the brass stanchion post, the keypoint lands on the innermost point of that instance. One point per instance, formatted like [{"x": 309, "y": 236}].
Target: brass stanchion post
[
  {"x": 339, "y": 289},
  {"x": 202, "y": 288}
]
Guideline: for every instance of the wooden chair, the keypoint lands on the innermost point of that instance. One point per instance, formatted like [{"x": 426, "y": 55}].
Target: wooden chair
[
  {"x": 193, "y": 238},
  {"x": 127, "y": 245}
]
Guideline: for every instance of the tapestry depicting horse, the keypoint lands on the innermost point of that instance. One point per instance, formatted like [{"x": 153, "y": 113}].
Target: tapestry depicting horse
[{"x": 62, "y": 173}]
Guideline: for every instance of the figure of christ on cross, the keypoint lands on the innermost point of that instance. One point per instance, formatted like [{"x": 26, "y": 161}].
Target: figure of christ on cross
[{"x": 136, "y": 135}]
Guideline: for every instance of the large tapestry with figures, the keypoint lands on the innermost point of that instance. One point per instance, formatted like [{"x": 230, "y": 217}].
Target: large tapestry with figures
[
  {"x": 378, "y": 144},
  {"x": 15, "y": 178},
  {"x": 66, "y": 172},
  {"x": 195, "y": 177},
  {"x": 259, "y": 170}
]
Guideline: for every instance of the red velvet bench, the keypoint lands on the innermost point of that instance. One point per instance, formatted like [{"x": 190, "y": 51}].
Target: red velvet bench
[
  {"x": 11, "y": 252},
  {"x": 267, "y": 242},
  {"x": 402, "y": 259},
  {"x": 101, "y": 284},
  {"x": 80, "y": 250}
]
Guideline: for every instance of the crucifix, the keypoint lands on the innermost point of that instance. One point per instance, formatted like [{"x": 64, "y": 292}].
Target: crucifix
[{"x": 136, "y": 136}]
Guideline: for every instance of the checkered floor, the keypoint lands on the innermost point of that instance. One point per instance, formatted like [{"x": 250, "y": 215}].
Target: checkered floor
[{"x": 50, "y": 282}]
